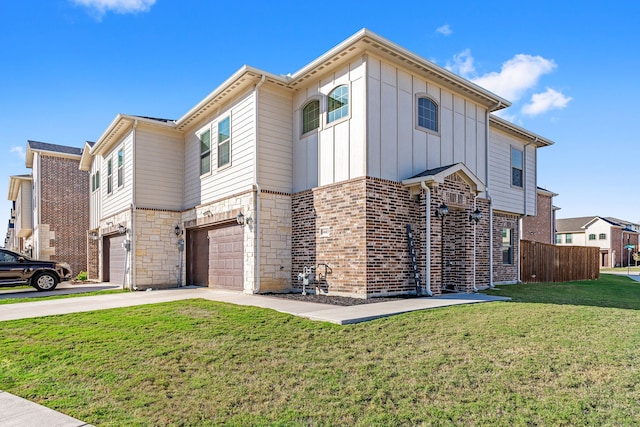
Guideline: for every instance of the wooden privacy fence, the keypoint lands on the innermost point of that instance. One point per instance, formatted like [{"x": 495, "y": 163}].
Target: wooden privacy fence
[{"x": 542, "y": 262}]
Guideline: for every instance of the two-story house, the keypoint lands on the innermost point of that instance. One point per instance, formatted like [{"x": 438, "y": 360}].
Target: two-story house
[
  {"x": 270, "y": 177},
  {"x": 59, "y": 204},
  {"x": 21, "y": 196},
  {"x": 541, "y": 227},
  {"x": 613, "y": 236}
]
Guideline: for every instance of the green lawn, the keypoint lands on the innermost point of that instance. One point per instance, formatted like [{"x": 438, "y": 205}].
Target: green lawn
[
  {"x": 35, "y": 298},
  {"x": 559, "y": 354}
]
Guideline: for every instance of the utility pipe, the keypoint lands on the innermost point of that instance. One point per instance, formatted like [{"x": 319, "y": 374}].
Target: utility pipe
[
  {"x": 524, "y": 214},
  {"x": 487, "y": 183},
  {"x": 132, "y": 280},
  {"x": 258, "y": 190},
  {"x": 427, "y": 237}
]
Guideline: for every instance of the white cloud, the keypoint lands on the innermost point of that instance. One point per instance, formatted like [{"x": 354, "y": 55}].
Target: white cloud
[
  {"x": 462, "y": 64},
  {"x": 119, "y": 6},
  {"x": 542, "y": 102},
  {"x": 519, "y": 74},
  {"x": 19, "y": 151},
  {"x": 445, "y": 30}
]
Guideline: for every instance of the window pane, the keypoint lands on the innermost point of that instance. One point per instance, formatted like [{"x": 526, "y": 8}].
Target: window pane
[
  {"x": 205, "y": 142},
  {"x": 311, "y": 116},
  {"x": 516, "y": 177},
  {"x": 97, "y": 180},
  {"x": 516, "y": 158},
  {"x": 223, "y": 154},
  {"x": 427, "y": 114},
  {"x": 223, "y": 130},
  {"x": 120, "y": 158},
  {"x": 338, "y": 104},
  {"x": 205, "y": 164}
]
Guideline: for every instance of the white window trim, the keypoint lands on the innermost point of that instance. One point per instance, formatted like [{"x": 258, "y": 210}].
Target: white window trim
[
  {"x": 230, "y": 141},
  {"x": 325, "y": 117},
  {"x": 118, "y": 167},
  {"x": 511, "y": 148},
  {"x": 415, "y": 115},
  {"x": 199, "y": 133},
  {"x": 109, "y": 160},
  {"x": 321, "y": 116}
]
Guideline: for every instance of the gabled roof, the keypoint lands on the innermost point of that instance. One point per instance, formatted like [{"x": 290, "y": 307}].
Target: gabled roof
[
  {"x": 437, "y": 175},
  {"x": 546, "y": 192},
  {"x": 517, "y": 131},
  {"x": 50, "y": 149},
  {"x": 573, "y": 225},
  {"x": 622, "y": 223},
  {"x": 14, "y": 185},
  {"x": 356, "y": 45}
]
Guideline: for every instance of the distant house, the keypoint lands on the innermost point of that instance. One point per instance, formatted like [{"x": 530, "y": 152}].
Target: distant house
[
  {"x": 611, "y": 235},
  {"x": 270, "y": 178},
  {"x": 59, "y": 204},
  {"x": 22, "y": 214},
  {"x": 541, "y": 227}
]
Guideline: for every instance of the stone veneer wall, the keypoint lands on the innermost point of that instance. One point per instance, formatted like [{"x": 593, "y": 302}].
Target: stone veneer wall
[
  {"x": 64, "y": 211},
  {"x": 220, "y": 211},
  {"x": 275, "y": 242},
  {"x": 156, "y": 257},
  {"x": 505, "y": 273}
]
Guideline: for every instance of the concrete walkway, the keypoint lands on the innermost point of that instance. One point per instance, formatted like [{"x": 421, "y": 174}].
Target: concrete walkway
[{"x": 15, "y": 411}]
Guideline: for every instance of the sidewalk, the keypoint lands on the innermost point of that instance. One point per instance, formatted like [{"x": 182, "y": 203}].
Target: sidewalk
[{"x": 15, "y": 411}]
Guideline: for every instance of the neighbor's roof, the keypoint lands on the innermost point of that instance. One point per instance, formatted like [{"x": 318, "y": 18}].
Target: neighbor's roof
[
  {"x": 573, "y": 225},
  {"x": 51, "y": 149}
]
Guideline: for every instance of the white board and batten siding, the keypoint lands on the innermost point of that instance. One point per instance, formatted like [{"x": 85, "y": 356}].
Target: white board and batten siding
[
  {"x": 159, "y": 168},
  {"x": 396, "y": 148},
  {"x": 506, "y": 197},
  {"x": 121, "y": 197},
  {"x": 336, "y": 151},
  {"x": 231, "y": 179},
  {"x": 275, "y": 157}
]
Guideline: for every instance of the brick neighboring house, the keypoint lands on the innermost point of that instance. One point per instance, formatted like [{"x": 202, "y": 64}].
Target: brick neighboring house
[
  {"x": 60, "y": 204},
  {"x": 541, "y": 227},
  {"x": 323, "y": 168},
  {"x": 611, "y": 235},
  {"x": 21, "y": 214}
]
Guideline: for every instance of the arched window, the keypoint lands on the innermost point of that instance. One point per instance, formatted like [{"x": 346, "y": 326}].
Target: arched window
[
  {"x": 338, "y": 103},
  {"x": 311, "y": 116},
  {"x": 427, "y": 114}
]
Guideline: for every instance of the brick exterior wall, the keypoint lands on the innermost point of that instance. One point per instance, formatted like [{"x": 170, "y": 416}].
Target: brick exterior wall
[
  {"x": 540, "y": 228},
  {"x": 93, "y": 256},
  {"x": 505, "y": 273},
  {"x": 64, "y": 211},
  {"x": 358, "y": 229}
]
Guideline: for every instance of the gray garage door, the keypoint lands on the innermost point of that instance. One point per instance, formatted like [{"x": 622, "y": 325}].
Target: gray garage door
[
  {"x": 215, "y": 257},
  {"x": 113, "y": 259}
]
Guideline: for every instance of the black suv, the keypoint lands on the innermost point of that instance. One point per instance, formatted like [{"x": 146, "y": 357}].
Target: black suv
[{"x": 17, "y": 269}]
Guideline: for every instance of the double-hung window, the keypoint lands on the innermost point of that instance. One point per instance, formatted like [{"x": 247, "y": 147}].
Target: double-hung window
[
  {"x": 109, "y": 177},
  {"x": 568, "y": 238},
  {"x": 516, "y": 167},
  {"x": 95, "y": 181},
  {"x": 120, "y": 168},
  {"x": 602, "y": 236},
  {"x": 592, "y": 237},
  {"x": 338, "y": 103},
  {"x": 205, "y": 152},
  {"x": 224, "y": 142},
  {"x": 427, "y": 114}
]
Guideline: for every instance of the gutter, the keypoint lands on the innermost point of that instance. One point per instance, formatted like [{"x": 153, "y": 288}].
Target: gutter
[
  {"x": 132, "y": 280},
  {"x": 258, "y": 190},
  {"x": 427, "y": 239}
]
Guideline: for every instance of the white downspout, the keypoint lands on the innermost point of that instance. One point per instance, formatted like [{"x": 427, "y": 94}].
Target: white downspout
[
  {"x": 524, "y": 188},
  {"x": 256, "y": 213},
  {"x": 132, "y": 252},
  {"x": 427, "y": 238},
  {"x": 487, "y": 185},
  {"x": 475, "y": 224}
]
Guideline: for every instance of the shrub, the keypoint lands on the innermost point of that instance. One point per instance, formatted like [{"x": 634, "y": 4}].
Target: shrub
[{"x": 82, "y": 276}]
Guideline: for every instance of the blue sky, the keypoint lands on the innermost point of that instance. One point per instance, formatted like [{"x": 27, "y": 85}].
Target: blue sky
[{"x": 69, "y": 66}]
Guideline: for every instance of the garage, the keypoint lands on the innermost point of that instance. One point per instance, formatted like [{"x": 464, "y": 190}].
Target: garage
[
  {"x": 114, "y": 255},
  {"x": 215, "y": 257}
]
